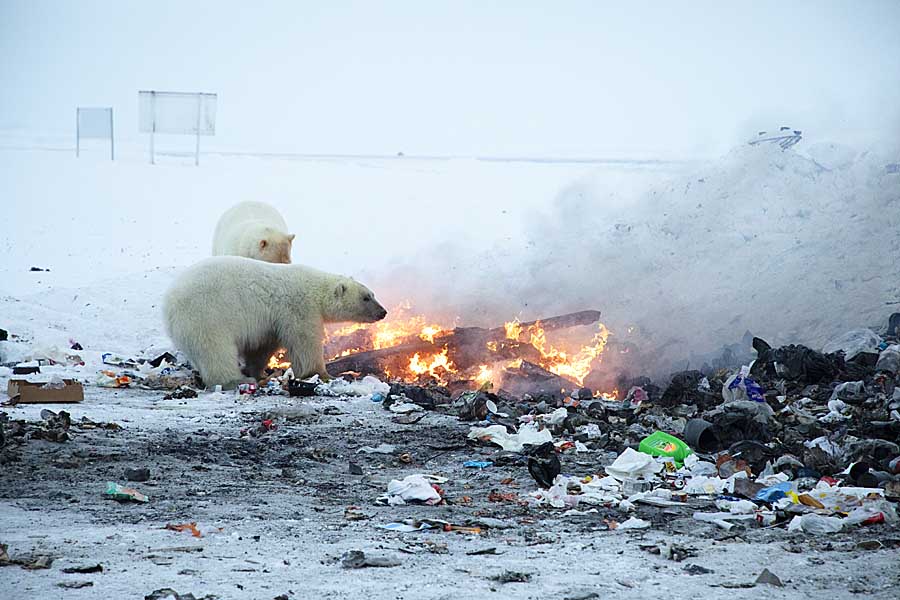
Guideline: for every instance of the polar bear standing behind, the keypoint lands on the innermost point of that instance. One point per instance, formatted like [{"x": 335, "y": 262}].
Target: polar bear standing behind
[
  {"x": 255, "y": 230},
  {"x": 228, "y": 308}
]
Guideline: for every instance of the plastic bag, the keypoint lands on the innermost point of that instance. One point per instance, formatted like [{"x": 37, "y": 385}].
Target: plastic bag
[
  {"x": 853, "y": 342},
  {"x": 413, "y": 488},
  {"x": 742, "y": 387},
  {"x": 632, "y": 463},
  {"x": 816, "y": 524},
  {"x": 512, "y": 442}
]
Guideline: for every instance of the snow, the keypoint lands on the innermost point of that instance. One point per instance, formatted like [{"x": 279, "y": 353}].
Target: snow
[{"x": 689, "y": 255}]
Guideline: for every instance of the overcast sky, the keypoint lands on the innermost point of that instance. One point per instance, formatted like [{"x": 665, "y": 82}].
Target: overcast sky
[{"x": 464, "y": 78}]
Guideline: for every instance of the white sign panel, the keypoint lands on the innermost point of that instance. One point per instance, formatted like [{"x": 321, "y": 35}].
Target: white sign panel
[
  {"x": 94, "y": 123},
  {"x": 177, "y": 112}
]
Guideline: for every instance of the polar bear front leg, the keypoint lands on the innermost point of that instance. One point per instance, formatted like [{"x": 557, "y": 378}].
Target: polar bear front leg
[
  {"x": 307, "y": 357},
  {"x": 218, "y": 364}
]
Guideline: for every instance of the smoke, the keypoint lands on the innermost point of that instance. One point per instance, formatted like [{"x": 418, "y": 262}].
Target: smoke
[{"x": 791, "y": 248}]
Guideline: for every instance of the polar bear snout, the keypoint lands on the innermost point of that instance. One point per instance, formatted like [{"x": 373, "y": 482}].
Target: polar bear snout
[
  {"x": 376, "y": 311},
  {"x": 380, "y": 313}
]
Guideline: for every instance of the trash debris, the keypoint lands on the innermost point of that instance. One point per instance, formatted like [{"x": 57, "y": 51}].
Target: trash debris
[
  {"x": 528, "y": 434},
  {"x": 110, "y": 379},
  {"x": 512, "y": 577},
  {"x": 53, "y": 391},
  {"x": 660, "y": 443},
  {"x": 418, "y": 489},
  {"x": 357, "y": 559},
  {"x": 166, "y": 593},
  {"x": 632, "y": 464},
  {"x": 189, "y": 527},
  {"x": 741, "y": 386},
  {"x": 98, "y": 568},
  {"x": 543, "y": 464},
  {"x": 379, "y": 449},
  {"x": 74, "y": 585},
  {"x": 30, "y": 563},
  {"x": 477, "y": 464},
  {"x": 181, "y": 393},
  {"x": 124, "y": 494},
  {"x": 633, "y": 523}
]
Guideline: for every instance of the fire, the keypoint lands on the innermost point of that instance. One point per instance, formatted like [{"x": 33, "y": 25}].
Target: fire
[
  {"x": 429, "y": 331},
  {"x": 436, "y": 365},
  {"x": 513, "y": 329},
  {"x": 277, "y": 361},
  {"x": 611, "y": 396},
  {"x": 485, "y": 374},
  {"x": 395, "y": 331},
  {"x": 573, "y": 361},
  {"x": 575, "y": 366}
]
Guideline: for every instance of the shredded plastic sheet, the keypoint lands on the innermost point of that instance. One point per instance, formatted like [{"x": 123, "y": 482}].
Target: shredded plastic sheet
[
  {"x": 632, "y": 463},
  {"x": 412, "y": 488},
  {"x": 633, "y": 523},
  {"x": 512, "y": 442},
  {"x": 366, "y": 386}
]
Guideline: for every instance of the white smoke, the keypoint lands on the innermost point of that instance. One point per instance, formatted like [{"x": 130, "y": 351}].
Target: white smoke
[{"x": 792, "y": 248}]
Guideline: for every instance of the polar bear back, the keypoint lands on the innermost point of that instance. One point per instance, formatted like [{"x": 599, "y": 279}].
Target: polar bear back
[
  {"x": 246, "y": 297},
  {"x": 242, "y": 227}
]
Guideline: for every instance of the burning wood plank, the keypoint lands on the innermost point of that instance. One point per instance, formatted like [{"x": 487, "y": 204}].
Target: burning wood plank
[{"x": 463, "y": 347}]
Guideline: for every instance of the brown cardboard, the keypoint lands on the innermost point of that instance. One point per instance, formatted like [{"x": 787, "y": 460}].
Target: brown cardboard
[{"x": 21, "y": 391}]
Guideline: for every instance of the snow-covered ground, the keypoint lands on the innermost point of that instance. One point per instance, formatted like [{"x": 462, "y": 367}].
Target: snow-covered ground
[{"x": 689, "y": 254}]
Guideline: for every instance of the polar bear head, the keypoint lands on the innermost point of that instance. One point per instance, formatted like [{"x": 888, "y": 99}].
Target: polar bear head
[
  {"x": 273, "y": 246},
  {"x": 350, "y": 300}
]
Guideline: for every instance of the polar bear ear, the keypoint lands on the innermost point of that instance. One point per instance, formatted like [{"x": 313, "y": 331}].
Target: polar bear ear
[
  {"x": 339, "y": 290},
  {"x": 263, "y": 244}
]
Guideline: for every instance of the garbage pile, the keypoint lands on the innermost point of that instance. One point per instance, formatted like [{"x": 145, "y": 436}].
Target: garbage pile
[{"x": 798, "y": 438}]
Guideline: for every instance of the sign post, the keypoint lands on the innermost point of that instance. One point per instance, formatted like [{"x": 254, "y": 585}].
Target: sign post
[{"x": 177, "y": 113}]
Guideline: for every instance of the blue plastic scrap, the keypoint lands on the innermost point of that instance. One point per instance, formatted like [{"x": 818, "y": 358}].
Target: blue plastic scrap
[
  {"x": 774, "y": 493},
  {"x": 478, "y": 464}
]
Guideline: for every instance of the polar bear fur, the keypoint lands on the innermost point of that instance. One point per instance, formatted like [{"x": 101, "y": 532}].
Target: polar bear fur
[
  {"x": 228, "y": 309},
  {"x": 255, "y": 230}
]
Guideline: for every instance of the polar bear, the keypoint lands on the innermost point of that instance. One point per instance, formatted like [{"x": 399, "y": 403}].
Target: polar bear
[
  {"x": 255, "y": 230},
  {"x": 226, "y": 309}
]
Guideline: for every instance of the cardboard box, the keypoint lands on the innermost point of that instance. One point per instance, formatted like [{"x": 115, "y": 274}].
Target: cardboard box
[{"x": 21, "y": 391}]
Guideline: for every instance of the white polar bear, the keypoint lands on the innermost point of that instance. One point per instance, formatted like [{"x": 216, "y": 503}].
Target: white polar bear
[
  {"x": 255, "y": 230},
  {"x": 228, "y": 308}
]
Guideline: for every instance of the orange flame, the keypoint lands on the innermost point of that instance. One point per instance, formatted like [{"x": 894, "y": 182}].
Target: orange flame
[
  {"x": 575, "y": 366},
  {"x": 436, "y": 365},
  {"x": 278, "y": 361}
]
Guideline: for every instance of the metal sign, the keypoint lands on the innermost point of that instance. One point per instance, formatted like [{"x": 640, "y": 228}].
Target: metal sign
[
  {"x": 94, "y": 123},
  {"x": 177, "y": 113}
]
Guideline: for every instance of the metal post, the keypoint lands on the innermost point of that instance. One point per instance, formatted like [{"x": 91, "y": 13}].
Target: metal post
[
  {"x": 199, "y": 109},
  {"x": 153, "y": 124},
  {"x": 112, "y": 137},
  {"x": 77, "y": 132}
]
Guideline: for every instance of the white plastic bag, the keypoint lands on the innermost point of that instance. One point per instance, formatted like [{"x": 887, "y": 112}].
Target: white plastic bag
[
  {"x": 816, "y": 524},
  {"x": 632, "y": 463}
]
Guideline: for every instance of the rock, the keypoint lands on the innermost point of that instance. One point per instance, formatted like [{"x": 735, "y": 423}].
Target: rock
[
  {"x": 769, "y": 578},
  {"x": 139, "y": 474}
]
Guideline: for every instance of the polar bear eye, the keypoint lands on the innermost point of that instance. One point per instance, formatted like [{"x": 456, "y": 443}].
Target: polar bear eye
[{"x": 367, "y": 298}]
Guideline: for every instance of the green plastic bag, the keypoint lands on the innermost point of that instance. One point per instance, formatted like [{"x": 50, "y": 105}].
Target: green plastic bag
[{"x": 662, "y": 444}]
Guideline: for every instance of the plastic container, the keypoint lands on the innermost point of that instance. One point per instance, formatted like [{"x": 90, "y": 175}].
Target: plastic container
[{"x": 662, "y": 444}]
